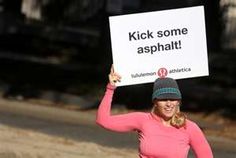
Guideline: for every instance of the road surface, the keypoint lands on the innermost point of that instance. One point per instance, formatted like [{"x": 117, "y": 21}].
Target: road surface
[{"x": 35, "y": 131}]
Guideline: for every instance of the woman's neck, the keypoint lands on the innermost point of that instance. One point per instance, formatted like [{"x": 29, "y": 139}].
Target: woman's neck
[{"x": 166, "y": 122}]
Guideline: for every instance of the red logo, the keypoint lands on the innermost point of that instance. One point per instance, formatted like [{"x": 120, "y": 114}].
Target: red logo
[{"x": 162, "y": 72}]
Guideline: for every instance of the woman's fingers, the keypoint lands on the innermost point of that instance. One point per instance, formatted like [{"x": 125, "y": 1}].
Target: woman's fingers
[{"x": 114, "y": 78}]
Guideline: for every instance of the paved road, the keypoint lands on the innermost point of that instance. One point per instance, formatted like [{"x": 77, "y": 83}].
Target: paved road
[{"x": 80, "y": 127}]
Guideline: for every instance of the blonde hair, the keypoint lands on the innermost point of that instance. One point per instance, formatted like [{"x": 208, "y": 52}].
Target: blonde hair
[{"x": 179, "y": 119}]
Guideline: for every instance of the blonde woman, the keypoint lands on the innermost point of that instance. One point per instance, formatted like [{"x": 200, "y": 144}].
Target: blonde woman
[{"x": 164, "y": 132}]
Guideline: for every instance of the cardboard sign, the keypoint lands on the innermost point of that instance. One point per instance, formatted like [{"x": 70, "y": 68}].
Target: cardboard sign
[{"x": 169, "y": 43}]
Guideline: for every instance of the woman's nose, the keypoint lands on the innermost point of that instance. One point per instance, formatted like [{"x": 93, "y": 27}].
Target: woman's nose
[{"x": 168, "y": 102}]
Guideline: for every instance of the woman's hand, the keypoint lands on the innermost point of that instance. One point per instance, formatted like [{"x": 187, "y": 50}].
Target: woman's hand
[{"x": 113, "y": 76}]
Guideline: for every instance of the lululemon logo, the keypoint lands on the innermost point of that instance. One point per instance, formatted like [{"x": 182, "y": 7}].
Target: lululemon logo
[{"x": 162, "y": 72}]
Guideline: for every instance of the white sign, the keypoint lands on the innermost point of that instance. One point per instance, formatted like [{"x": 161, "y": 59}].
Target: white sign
[{"x": 169, "y": 43}]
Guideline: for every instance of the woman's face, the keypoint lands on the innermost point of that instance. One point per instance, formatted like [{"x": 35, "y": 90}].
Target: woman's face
[{"x": 166, "y": 108}]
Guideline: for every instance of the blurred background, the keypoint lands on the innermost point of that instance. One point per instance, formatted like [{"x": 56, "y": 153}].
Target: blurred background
[
  {"x": 58, "y": 53},
  {"x": 63, "y": 47}
]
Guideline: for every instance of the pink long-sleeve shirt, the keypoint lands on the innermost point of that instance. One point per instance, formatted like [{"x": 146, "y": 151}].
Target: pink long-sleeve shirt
[{"x": 156, "y": 140}]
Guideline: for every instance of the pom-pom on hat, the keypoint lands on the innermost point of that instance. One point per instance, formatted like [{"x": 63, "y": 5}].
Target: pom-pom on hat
[{"x": 166, "y": 88}]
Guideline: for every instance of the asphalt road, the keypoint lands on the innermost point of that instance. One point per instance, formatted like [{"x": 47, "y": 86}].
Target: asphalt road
[{"x": 80, "y": 127}]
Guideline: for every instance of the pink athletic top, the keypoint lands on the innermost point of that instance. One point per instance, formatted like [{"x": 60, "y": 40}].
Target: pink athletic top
[{"x": 156, "y": 140}]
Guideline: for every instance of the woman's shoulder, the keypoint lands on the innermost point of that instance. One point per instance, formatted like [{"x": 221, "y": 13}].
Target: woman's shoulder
[
  {"x": 140, "y": 113},
  {"x": 190, "y": 124}
]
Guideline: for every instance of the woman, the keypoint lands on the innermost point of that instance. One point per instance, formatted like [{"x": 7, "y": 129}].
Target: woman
[{"x": 164, "y": 132}]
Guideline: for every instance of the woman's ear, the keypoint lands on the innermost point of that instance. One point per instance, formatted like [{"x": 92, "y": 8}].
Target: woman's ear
[{"x": 154, "y": 103}]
